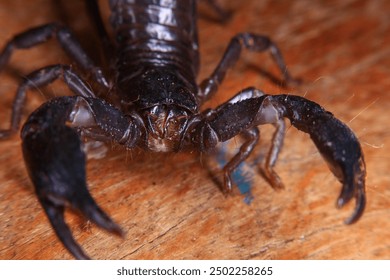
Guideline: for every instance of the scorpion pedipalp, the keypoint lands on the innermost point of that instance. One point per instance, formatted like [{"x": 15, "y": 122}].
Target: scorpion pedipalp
[
  {"x": 334, "y": 140},
  {"x": 56, "y": 165}
]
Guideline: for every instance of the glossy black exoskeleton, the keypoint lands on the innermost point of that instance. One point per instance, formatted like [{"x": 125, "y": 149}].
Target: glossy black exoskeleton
[{"x": 155, "y": 104}]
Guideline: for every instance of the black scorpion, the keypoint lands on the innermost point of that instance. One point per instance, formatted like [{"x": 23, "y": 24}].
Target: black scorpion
[{"x": 154, "y": 103}]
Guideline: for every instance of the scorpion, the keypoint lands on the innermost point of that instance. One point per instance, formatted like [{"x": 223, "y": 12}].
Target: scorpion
[{"x": 154, "y": 103}]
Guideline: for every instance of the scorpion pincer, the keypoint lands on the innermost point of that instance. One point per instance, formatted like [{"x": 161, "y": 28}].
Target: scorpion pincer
[{"x": 154, "y": 104}]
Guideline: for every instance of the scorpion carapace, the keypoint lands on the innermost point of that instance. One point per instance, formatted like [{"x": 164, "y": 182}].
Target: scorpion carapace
[{"x": 156, "y": 106}]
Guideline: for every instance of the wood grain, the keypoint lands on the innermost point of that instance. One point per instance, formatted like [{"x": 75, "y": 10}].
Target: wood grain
[{"x": 168, "y": 205}]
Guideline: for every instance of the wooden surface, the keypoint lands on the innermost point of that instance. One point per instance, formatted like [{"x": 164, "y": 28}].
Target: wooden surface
[{"x": 169, "y": 206}]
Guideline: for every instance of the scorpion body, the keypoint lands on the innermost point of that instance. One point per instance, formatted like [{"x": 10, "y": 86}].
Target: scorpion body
[{"x": 155, "y": 104}]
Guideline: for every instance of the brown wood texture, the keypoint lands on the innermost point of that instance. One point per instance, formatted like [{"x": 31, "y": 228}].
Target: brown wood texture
[{"x": 168, "y": 205}]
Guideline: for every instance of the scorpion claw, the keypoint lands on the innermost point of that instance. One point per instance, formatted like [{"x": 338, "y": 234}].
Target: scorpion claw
[
  {"x": 55, "y": 208},
  {"x": 56, "y": 166},
  {"x": 56, "y": 218},
  {"x": 335, "y": 141},
  {"x": 337, "y": 144},
  {"x": 353, "y": 186},
  {"x": 273, "y": 178}
]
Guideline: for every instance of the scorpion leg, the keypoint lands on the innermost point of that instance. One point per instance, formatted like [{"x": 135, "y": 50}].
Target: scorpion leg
[
  {"x": 251, "y": 139},
  {"x": 276, "y": 145},
  {"x": 40, "y": 78},
  {"x": 252, "y": 42},
  {"x": 335, "y": 141},
  {"x": 67, "y": 40}
]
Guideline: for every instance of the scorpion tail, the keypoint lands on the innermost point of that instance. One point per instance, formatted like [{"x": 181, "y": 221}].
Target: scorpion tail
[
  {"x": 337, "y": 144},
  {"x": 56, "y": 166}
]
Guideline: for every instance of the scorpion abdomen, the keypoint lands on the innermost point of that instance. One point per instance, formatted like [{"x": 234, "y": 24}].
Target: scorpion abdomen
[{"x": 155, "y": 33}]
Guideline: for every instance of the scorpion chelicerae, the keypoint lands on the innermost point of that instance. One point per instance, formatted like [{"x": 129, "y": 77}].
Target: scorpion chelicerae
[{"x": 155, "y": 104}]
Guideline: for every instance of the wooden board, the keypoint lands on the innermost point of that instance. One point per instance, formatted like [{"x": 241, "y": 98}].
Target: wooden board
[{"x": 169, "y": 206}]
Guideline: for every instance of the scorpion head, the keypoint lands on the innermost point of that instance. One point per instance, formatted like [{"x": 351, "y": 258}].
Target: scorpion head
[{"x": 165, "y": 125}]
